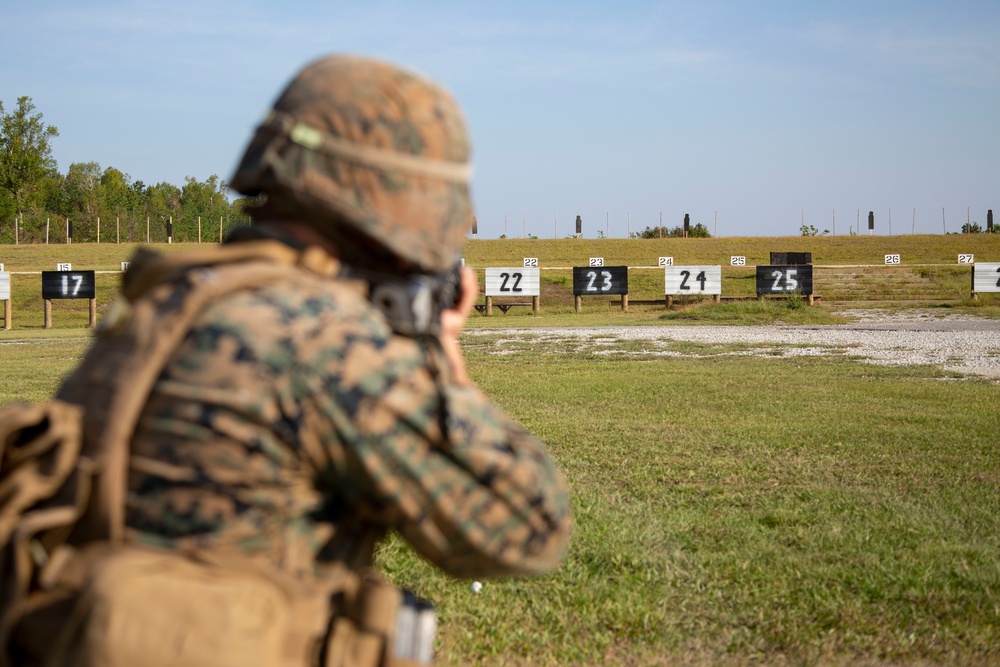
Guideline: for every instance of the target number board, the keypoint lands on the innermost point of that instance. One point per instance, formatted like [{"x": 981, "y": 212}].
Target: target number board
[
  {"x": 600, "y": 280},
  {"x": 68, "y": 285},
  {"x": 797, "y": 279},
  {"x": 512, "y": 281},
  {"x": 986, "y": 277},
  {"x": 681, "y": 280}
]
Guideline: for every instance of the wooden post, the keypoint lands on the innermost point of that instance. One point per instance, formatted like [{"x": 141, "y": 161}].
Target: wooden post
[
  {"x": 98, "y": 229},
  {"x": 624, "y": 303},
  {"x": 716, "y": 298},
  {"x": 811, "y": 300},
  {"x": 93, "y": 313},
  {"x": 670, "y": 301},
  {"x": 536, "y": 304},
  {"x": 489, "y": 306},
  {"x": 48, "y": 313},
  {"x": 578, "y": 303},
  {"x": 6, "y": 314}
]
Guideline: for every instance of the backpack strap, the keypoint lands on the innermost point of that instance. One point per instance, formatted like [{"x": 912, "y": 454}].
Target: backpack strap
[{"x": 159, "y": 305}]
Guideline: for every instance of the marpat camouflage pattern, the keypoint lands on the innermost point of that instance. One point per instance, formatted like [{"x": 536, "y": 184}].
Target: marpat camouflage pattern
[{"x": 293, "y": 425}]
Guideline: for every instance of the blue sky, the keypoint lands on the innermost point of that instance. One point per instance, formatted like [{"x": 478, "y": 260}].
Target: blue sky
[{"x": 614, "y": 111}]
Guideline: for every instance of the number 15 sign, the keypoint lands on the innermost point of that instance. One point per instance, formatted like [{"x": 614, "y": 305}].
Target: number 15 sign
[{"x": 512, "y": 281}]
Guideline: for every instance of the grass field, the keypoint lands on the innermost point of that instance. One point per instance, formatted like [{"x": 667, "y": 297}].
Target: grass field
[
  {"x": 929, "y": 272},
  {"x": 729, "y": 510}
]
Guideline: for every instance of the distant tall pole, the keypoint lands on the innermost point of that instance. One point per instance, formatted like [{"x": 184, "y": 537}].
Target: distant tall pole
[
  {"x": 661, "y": 224},
  {"x": 834, "y": 222},
  {"x": 607, "y": 222},
  {"x": 505, "y": 224},
  {"x": 859, "y": 221},
  {"x": 715, "y": 230},
  {"x": 555, "y": 222},
  {"x": 98, "y": 229},
  {"x": 524, "y": 225},
  {"x": 628, "y": 224},
  {"x": 913, "y": 227},
  {"x": 46, "y": 231},
  {"x": 944, "y": 224},
  {"x": 890, "y": 222},
  {"x": 118, "y": 230}
]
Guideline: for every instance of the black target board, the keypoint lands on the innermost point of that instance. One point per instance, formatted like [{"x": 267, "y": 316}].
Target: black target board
[
  {"x": 784, "y": 279},
  {"x": 68, "y": 285},
  {"x": 600, "y": 280}
]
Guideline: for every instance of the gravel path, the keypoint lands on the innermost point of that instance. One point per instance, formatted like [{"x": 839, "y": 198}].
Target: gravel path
[{"x": 961, "y": 344}]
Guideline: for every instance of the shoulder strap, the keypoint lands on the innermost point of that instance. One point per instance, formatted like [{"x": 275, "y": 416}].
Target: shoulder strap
[{"x": 142, "y": 331}]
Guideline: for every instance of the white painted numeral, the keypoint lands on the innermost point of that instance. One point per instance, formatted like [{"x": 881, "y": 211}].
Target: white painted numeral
[
  {"x": 666, "y": 261},
  {"x": 892, "y": 259},
  {"x": 530, "y": 262},
  {"x": 604, "y": 287},
  {"x": 738, "y": 260},
  {"x": 64, "y": 266},
  {"x": 596, "y": 261},
  {"x": 75, "y": 289},
  {"x": 125, "y": 265},
  {"x": 966, "y": 259}
]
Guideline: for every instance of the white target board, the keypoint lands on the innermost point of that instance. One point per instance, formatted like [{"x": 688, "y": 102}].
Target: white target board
[
  {"x": 4, "y": 285},
  {"x": 986, "y": 277},
  {"x": 512, "y": 281},
  {"x": 680, "y": 280}
]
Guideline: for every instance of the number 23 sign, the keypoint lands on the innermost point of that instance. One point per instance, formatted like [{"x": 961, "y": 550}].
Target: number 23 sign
[{"x": 600, "y": 280}]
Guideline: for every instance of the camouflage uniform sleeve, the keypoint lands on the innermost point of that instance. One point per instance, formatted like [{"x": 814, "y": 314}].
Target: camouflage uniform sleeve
[{"x": 471, "y": 490}]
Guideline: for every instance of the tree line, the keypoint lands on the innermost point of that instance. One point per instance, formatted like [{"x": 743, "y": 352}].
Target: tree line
[{"x": 37, "y": 201}]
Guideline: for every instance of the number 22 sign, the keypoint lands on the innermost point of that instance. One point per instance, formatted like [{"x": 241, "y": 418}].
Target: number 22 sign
[{"x": 512, "y": 281}]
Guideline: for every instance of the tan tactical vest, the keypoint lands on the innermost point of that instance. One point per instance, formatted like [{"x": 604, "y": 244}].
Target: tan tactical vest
[{"x": 73, "y": 593}]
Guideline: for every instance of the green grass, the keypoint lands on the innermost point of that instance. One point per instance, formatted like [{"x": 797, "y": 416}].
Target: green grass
[{"x": 728, "y": 509}]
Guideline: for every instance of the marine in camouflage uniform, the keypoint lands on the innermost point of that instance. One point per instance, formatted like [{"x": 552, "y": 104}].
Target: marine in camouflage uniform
[{"x": 293, "y": 423}]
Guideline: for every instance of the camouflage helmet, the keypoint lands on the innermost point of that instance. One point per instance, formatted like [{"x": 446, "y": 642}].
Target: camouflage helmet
[{"x": 372, "y": 156}]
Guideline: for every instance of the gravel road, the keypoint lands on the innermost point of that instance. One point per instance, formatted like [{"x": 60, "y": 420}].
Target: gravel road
[{"x": 962, "y": 344}]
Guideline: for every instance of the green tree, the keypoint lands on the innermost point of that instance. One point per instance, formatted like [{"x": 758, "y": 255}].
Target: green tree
[
  {"x": 25, "y": 154},
  {"x": 207, "y": 201}
]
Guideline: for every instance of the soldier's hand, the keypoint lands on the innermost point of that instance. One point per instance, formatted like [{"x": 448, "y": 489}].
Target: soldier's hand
[{"x": 453, "y": 322}]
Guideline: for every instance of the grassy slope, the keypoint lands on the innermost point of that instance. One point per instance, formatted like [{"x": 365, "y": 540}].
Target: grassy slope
[{"x": 557, "y": 300}]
